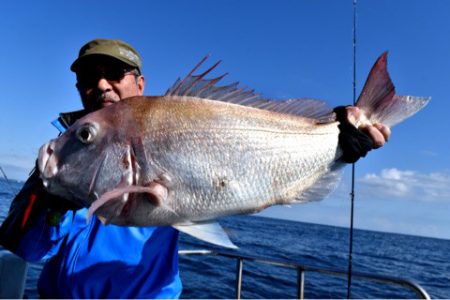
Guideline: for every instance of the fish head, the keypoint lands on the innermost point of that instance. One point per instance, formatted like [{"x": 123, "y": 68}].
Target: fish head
[{"x": 90, "y": 158}]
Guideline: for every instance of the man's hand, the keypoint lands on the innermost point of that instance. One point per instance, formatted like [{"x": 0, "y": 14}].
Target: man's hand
[
  {"x": 378, "y": 133},
  {"x": 356, "y": 142}
]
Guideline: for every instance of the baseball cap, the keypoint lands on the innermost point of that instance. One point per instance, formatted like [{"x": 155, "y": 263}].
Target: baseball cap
[{"x": 113, "y": 48}]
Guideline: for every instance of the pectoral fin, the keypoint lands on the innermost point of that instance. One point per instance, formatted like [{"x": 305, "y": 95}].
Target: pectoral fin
[
  {"x": 209, "y": 232},
  {"x": 158, "y": 194}
]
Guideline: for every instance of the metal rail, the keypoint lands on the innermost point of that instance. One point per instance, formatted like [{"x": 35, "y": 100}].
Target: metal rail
[{"x": 302, "y": 269}]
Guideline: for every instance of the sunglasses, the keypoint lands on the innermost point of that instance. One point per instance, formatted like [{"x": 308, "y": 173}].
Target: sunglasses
[{"x": 90, "y": 77}]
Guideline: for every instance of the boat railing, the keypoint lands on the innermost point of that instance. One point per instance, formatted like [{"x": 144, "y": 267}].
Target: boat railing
[{"x": 302, "y": 269}]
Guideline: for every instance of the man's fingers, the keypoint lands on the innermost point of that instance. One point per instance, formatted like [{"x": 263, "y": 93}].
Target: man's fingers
[
  {"x": 375, "y": 135},
  {"x": 385, "y": 130},
  {"x": 378, "y": 133}
]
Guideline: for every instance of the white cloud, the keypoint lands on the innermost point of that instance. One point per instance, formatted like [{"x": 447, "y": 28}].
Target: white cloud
[{"x": 407, "y": 184}]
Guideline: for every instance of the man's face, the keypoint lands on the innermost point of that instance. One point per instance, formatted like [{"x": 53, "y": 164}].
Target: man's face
[{"x": 102, "y": 81}]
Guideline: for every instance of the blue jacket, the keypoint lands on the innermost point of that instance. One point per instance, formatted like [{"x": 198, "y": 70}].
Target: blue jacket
[{"x": 97, "y": 261}]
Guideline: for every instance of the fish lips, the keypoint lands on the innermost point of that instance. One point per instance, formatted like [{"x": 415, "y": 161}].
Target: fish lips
[{"x": 47, "y": 162}]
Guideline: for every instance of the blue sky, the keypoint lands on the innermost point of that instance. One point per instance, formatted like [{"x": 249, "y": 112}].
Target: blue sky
[{"x": 283, "y": 49}]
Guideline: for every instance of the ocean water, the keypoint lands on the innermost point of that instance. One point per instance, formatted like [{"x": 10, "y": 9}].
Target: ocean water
[{"x": 423, "y": 260}]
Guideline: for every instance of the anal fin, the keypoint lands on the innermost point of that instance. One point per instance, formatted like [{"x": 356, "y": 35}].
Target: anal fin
[
  {"x": 209, "y": 232},
  {"x": 323, "y": 186}
]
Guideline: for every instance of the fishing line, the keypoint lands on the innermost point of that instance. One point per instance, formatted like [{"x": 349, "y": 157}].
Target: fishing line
[
  {"x": 7, "y": 181},
  {"x": 352, "y": 193}
]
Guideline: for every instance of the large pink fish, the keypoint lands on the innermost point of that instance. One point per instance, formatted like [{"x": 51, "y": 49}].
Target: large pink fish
[{"x": 204, "y": 151}]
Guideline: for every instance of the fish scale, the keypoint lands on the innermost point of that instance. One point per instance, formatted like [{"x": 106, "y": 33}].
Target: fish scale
[{"x": 267, "y": 155}]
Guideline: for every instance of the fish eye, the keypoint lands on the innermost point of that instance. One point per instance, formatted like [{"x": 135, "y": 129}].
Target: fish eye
[{"x": 86, "y": 133}]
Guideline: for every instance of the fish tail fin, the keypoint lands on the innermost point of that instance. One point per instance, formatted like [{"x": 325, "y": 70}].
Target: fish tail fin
[{"x": 379, "y": 102}]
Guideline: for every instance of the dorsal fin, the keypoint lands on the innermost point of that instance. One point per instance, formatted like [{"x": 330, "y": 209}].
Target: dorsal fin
[{"x": 201, "y": 87}]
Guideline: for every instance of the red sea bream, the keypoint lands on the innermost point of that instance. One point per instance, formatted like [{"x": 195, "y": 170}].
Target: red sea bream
[{"x": 204, "y": 151}]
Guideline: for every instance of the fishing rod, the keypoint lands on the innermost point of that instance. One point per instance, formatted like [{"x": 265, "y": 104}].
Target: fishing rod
[{"x": 352, "y": 193}]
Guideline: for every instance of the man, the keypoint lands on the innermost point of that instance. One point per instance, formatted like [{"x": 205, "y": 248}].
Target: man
[{"x": 97, "y": 261}]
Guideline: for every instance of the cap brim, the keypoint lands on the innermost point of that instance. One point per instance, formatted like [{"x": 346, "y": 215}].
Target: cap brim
[{"x": 80, "y": 60}]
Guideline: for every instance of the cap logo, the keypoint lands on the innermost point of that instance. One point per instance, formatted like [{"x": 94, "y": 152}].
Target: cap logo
[{"x": 129, "y": 54}]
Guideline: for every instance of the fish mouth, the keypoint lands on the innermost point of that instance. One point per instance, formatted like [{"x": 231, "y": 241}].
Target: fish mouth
[{"x": 47, "y": 162}]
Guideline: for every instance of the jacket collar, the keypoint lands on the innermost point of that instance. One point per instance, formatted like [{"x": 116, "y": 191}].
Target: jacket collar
[{"x": 68, "y": 118}]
